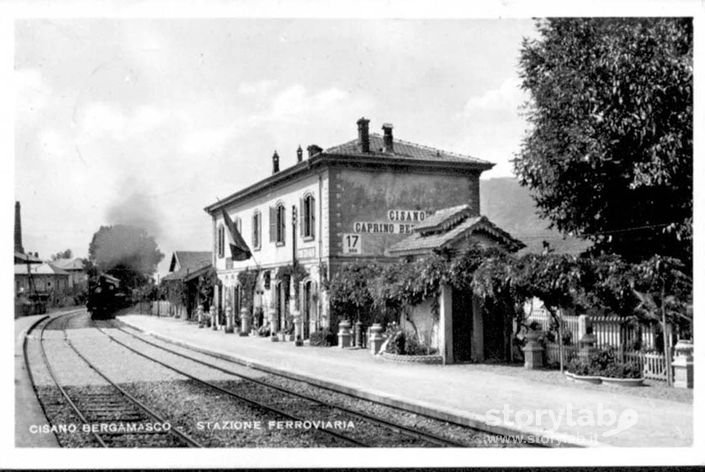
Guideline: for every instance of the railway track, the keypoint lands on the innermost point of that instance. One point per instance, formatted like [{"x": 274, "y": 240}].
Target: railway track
[
  {"x": 113, "y": 417},
  {"x": 410, "y": 435}
]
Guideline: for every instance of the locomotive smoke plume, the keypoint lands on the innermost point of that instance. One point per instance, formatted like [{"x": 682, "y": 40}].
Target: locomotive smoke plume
[
  {"x": 136, "y": 210},
  {"x": 130, "y": 243}
]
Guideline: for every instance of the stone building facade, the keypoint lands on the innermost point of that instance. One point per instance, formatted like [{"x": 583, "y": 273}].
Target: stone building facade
[{"x": 351, "y": 201}]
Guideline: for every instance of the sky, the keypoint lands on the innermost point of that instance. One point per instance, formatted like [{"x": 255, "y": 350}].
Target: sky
[{"x": 148, "y": 121}]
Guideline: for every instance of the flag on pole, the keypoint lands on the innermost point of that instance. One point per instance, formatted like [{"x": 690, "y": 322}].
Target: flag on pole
[{"x": 238, "y": 247}]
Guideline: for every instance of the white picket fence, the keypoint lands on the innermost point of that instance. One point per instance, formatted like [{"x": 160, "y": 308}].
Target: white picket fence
[
  {"x": 608, "y": 330},
  {"x": 652, "y": 364}
]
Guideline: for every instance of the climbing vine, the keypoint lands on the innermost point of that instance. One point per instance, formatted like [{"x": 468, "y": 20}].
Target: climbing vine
[{"x": 248, "y": 281}]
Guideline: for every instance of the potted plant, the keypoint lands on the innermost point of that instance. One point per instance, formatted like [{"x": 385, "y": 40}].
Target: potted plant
[
  {"x": 625, "y": 374},
  {"x": 582, "y": 370}
]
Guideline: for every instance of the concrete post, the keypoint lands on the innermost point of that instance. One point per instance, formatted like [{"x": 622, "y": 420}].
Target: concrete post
[
  {"x": 344, "y": 334},
  {"x": 298, "y": 328},
  {"x": 245, "y": 319},
  {"x": 533, "y": 351},
  {"x": 212, "y": 314},
  {"x": 215, "y": 322},
  {"x": 199, "y": 316},
  {"x": 477, "y": 347},
  {"x": 376, "y": 339},
  {"x": 683, "y": 364},
  {"x": 229, "y": 322},
  {"x": 583, "y": 325},
  {"x": 445, "y": 327},
  {"x": 587, "y": 346}
]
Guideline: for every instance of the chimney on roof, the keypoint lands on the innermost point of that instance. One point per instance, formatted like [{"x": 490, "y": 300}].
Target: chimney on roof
[
  {"x": 18, "y": 229},
  {"x": 275, "y": 163},
  {"x": 363, "y": 134},
  {"x": 299, "y": 154},
  {"x": 388, "y": 138},
  {"x": 313, "y": 149}
]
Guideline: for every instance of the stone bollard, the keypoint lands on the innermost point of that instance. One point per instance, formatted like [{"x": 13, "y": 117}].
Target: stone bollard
[
  {"x": 344, "y": 334},
  {"x": 533, "y": 351},
  {"x": 245, "y": 321},
  {"x": 683, "y": 364},
  {"x": 229, "y": 325},
  {"x": 298, "y": 328},
  {"x": 274, "y": 324},
  {"x": 212, "y": 314},
  {"x": 199, "y": 316},
  {"x": 376, "y": 338},
  {"x": 587, "y": 346}
]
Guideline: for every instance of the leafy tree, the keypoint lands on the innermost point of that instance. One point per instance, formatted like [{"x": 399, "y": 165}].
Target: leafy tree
[
  {"x": 350, "y": 296},
  {"x": 66, "y": 254},
  {"x": 126, "y": 252},
  {"x": 609, "y": 153}
]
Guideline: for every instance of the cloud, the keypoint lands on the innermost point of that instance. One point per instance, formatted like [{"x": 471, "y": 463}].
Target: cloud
[
  {"x": 32, "y": 92},
  {"x": 258, "y": 88},
  {"x": 508, "y": 96},
  {"x": 105, "y": 119}
]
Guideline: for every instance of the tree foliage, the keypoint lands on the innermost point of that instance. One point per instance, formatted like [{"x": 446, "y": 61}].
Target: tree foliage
[
  {"x": 65, "y": 254},
  {"x": 126, "y": 252},
  {"x": 609, "y": 153}
]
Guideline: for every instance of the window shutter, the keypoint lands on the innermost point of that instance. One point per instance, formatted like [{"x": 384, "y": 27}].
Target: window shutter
[
  {"x": 272, "y": 224},
  {"x": 283, "y": 210},
  {"x": 312, "y": 212},
  {"x": 302, "y": 217},
  {"x": 254, "y": 230}
]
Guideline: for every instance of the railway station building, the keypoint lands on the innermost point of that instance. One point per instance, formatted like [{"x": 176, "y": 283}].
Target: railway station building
[{"x": 374, "y": 197}]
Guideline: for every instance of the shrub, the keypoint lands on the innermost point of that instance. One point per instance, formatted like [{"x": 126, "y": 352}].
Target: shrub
[
  {"x": 408, "y": 344},
  {"x": 322, "y": 337},
  {"x": 396, "y": 343},
  {"x": 578, "y": 366},
  {"x": 622, "y": 370}
]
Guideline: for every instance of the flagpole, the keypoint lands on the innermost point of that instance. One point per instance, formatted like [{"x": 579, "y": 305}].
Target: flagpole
[{"x": 257, "y": 264}]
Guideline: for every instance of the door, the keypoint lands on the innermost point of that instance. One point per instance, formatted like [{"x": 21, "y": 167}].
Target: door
[
  {"x": 494, "y": 333},
  {"x": 462, "y": 325}
]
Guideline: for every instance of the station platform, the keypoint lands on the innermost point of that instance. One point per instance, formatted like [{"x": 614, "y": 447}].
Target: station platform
[
  {"x": 502, "y": 404},
  {"x": 28, "y": 411}
]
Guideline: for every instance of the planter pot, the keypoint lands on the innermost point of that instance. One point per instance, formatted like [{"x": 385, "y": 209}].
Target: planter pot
[
  {"x": 623, "y": 382},
  {"x": 428, "y": 359},
  {"x": 289, "y": 337},
  {"x": 592, "y": 379}
]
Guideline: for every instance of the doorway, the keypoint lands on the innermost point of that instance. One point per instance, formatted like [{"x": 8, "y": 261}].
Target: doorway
[{"x": 462, "y": 326}]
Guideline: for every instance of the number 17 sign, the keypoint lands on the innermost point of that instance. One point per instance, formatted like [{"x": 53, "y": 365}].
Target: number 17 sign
[{"x": 352, "y": 243}]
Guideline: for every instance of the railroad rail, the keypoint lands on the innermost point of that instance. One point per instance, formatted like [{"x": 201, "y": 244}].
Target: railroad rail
[
  {"x": 116, "y": 406},
  {"x": 416, "y": 434},
  {"x": 257, "y": 404}
]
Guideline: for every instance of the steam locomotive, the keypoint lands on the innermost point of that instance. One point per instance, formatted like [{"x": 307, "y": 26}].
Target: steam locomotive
[{"x": 105, "y": 297}]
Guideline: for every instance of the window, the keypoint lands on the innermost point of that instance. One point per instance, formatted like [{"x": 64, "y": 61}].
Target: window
[
  {"x": 256, "y": 230},
  {"x": 238, "y": 224},
  {"x": 277, "y": 228},
  {"x": 308, "y": 217},
  {"x": 220, "y": 244}
]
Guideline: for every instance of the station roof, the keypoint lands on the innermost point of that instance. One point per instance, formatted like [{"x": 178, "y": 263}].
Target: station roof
[
  {"x": 68, "y": 264},
  {"x": 404, "y": 154},
  {"x": 38, "y": 269},
  {"x": 21, "y": 258},
  {"x": 448, "y": 227},
  {"x": 190, "y": 264}
]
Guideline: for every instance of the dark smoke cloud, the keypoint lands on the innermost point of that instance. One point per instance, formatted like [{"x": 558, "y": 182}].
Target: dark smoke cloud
[{"x": 136, "y": 209}]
